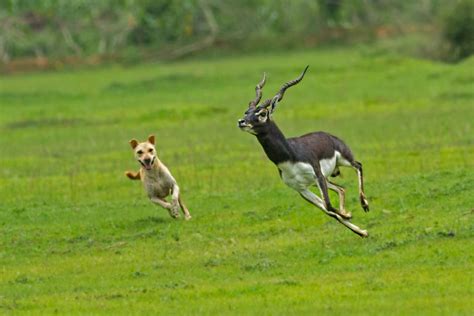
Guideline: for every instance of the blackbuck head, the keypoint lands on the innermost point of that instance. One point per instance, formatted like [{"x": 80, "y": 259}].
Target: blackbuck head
[
  {"x": 258, "y": 116},
  {"x": 145, "y": 152}
]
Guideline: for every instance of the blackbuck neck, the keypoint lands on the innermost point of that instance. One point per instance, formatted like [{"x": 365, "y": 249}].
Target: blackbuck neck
[{"x": 274, "y": 144}]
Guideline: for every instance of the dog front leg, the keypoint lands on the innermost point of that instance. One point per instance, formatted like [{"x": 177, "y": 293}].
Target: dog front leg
[
  {"x": 133, "y": 176},
  {"x": 161, "y": 202},
  {"x": 169, "y": 206}
]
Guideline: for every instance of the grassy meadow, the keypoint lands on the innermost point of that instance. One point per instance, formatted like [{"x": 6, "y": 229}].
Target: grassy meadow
[{"x": 78, "y": 237}]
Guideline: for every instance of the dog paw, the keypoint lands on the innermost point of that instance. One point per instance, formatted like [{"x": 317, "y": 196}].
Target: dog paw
[
  {"x": 173, "y": 213},
  {"x": 174, "y": 210}
]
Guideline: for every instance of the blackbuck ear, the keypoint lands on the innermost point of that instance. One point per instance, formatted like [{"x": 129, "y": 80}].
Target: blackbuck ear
[
  {"x": 133, "y": 143},
  {"x": 151, "y": 139}
]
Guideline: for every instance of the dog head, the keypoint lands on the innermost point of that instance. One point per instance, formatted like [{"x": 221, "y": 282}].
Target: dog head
[{"x": 145, "y": 152}]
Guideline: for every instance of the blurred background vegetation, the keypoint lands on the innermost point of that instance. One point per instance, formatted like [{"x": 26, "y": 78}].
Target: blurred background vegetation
[{"x": 51, "y": 33}]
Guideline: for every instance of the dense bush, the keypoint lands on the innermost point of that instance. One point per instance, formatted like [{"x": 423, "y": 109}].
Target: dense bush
[
  {"x": 458, "y": 30},
  {"x": 60, "y": 28}
]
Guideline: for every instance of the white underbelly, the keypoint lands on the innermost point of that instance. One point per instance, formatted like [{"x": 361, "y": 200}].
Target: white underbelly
[
  {"x": 328, "y": 165},
  {"x": 297, "y": 175}
]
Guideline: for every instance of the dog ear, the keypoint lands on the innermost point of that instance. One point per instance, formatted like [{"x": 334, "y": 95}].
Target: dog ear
[
  {"x": 151, "y": 139},
  {"x": 133, "y": 143}
]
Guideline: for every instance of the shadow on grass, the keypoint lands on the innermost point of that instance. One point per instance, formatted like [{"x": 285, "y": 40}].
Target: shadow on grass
[{"x": 151, "y": 220}]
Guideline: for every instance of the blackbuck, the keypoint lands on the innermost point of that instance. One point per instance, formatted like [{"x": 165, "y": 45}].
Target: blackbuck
[{"x": 304, "y": 161}]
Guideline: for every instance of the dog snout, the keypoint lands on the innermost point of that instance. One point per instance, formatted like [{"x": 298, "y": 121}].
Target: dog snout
[{"x": 147, "y": 160}]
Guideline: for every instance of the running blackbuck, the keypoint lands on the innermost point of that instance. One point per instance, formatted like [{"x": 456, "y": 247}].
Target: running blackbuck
[{"x": 304, "y": 161}]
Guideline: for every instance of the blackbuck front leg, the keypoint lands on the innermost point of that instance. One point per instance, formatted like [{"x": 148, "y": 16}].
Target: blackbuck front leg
[
  {"x": 363, "y": 200},
  {"x": 326, "y": 203},
  {"x": 315, "y": 200},
  {"x": 342, "y": 196}
]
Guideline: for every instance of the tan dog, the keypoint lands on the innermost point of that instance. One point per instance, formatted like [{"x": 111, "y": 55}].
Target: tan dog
[{"x": 156, "y": 178}]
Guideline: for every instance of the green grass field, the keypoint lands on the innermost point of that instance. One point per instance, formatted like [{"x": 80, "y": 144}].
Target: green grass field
[{"x": 76, "y": 236}]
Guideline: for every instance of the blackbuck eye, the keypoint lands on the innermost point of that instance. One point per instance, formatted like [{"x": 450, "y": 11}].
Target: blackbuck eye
[{"x": 263, "y": 114}]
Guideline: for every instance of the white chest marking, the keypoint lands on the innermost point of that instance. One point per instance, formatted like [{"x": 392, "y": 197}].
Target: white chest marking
[
  {"x": 297, "y": 175},
  {"x": 158, "y": 183}
]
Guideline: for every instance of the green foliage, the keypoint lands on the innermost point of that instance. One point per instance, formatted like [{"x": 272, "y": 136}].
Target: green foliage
[
  {"x": 458, "y": 30},
  {"x": 163, "y": 21},
  {"x": 58, "y": 28},
  {"x": 78, "y": 237}
]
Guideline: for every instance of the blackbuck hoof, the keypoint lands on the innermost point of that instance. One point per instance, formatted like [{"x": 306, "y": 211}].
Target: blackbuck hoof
[
  {"x": 364, "y": 204},
  {"x": 345, "y": 215}
]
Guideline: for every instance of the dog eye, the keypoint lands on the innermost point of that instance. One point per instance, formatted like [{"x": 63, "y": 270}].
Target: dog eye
[
  {"x": 139, "y": 152},
  {"x": 150, "y": 150}
]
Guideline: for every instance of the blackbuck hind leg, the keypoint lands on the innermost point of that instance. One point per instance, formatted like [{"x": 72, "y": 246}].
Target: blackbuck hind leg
[
  {"x": 315, "y": 200},
  {"x": 342, "y": 196},
  {"x": 363, "y": 200}
]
